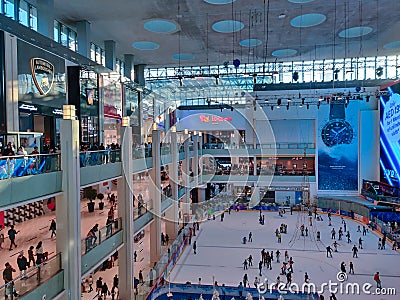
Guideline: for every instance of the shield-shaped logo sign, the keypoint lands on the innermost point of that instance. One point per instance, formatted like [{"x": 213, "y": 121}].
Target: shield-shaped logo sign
[{"x": 42, "y": 74}]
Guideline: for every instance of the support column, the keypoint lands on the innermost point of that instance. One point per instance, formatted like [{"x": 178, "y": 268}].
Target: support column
[
  {"x": 155, "y": 194},
  {"x": 171, "y": 216},
  {"x": 84, "y": 33},
  {"x": 139, "y": 74},
  {"x": 11, "y": 83},
  {"x": 195, "y": 166},
  {"x": 109, "y": 51},
  {"x": 200, "y": 181},
  {"x": 255, "y": 165},
  {"x": 125, "y": 211},
  {"x": 185, "y": 174},
  {"x": 45, "y": 18},
  {"x": 129, "y": 66},
  {"x": 68, "y": 212}
]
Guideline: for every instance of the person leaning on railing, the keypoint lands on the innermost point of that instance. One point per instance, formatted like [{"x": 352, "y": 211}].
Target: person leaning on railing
[{"x": 8, "y": 280}]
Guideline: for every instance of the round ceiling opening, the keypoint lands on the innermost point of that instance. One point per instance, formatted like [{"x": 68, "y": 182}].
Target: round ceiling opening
[
  {"x": 392, "y": 45},
  {"x": 160, "y": 26},
  {"x": 284, "y": 52},
  {"x": 183, "y": 56},
  {"x": 355, "y": 32},
  {"x": 250, "y": 43},
  {"x": 227, "y": 26},
  {"x": 143, "y": 45},
  {"x": 219, "y": 2},
  {"x": 308, "y": 20}
]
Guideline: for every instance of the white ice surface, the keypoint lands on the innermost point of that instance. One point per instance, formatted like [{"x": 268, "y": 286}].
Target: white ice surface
[{"x": 220, "y": 253}]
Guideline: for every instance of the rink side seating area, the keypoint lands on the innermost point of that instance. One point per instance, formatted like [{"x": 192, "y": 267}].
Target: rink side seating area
[{"x": 221, "y": 253}]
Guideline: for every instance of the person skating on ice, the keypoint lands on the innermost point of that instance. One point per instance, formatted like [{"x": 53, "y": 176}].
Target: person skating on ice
[
  {"x": 260, "y": 266},
  {"x": 333, "y": 234},
  {"x": 318, "y": 236},
  {"x": 348, "y": 237},
  {"x": 250, "y": 239},
  {"x": 360, "y": 245},
  {"x": 245, "y": 280},
  {"x": 250, "y": 260},
  {"x": 355, "y": 251},
  {"x": 340, "y": 233},
  {"x": 194, "y": 247},
  {"x": 335, "y": 245},
  {"x": 245, "y": 264},
  {"x": 286, "y": 255},
  {"x": 277, "y": 254},
  {"x": 343, "y": 267},
  {"x": 328, "y": 251},
  {"x": 351, "y": 266}
]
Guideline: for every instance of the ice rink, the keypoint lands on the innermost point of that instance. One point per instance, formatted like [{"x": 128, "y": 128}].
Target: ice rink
[{"x": 221, "y": 253}]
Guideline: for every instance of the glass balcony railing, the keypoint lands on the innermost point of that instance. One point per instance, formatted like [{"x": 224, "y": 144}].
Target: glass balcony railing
[
  {"x": 141, "y": 153},
  {"x": 277, "y": 145},
  {"x": 165, "y": 150},
  {"x": 94, "y": 239},
  {"x": 34, "y": 276},
  {"x": 25, "y": 165},
  {"x": 101, "y": 157}
]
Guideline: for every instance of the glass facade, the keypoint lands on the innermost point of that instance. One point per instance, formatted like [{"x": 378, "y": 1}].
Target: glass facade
[
  {"x": 65, "y": 36},
  {"x": 97, "y": 54}
]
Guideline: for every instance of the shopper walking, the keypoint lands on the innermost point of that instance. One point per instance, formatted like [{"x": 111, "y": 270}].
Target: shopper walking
[
  {"x": 11, "y": 235},
  {"x": 52, "y": 228}
]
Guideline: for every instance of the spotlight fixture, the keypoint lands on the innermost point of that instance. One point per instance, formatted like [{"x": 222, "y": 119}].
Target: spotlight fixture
[
  {"x": 278, "y": 106},
  {"x": 367, "y": 98},
  {"x": 287, "y": 106},
  {"x": 279, "y": 101},
  {"x": 299, "y": 95},
  {"x": 295, "y": 76},
  {"x": 216, "y": 79},
  {"x": 308, "y": 106},
  {"x": 254, "y": 78},
  {"x": 231, "y": 108},
  {"x": 180, "y": 80},
  {"x": 318, "y": 104},
  {"x": 301, "y": 105},
  {"x": 321, "y": 98},
  {"x": 272, "y": 107},
  {"x": 289, "y": 99},
  {"x": 379, "y": 71},
  {"x": 266, "y": 100},
  {"x": 302, "y": 100}
]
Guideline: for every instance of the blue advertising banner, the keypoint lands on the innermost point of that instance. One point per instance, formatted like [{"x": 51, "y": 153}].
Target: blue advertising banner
[
  {"x": 390, "y": 135},
  {"x": 338, "y": 145}
]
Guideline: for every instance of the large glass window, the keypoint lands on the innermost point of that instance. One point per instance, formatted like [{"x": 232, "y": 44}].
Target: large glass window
[
  {"x": 33, "y": 17},
  {"x": 23, "y": 13},
  {"x": 57, "y": 31},
  {"x": 9, "y": 8},
  {"x": 72, "y": 40},
  {"x": 64, "y": 35}
]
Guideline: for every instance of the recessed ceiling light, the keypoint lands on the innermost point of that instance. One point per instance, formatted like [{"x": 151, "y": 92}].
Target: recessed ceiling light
[
  {"x": 392, "y": 45},
  {"x": 250, "y": 43},
  {"x": 183, "y": 56},
  {"x": 282, "y": 16}
]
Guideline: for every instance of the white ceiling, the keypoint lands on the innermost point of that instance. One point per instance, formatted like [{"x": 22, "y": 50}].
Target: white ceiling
[{"x": 123, "y": 21}]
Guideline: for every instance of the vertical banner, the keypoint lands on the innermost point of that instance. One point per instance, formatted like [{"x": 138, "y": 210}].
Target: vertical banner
[
  {"x": 337, "y": 143},
  {"x": 1, "y": 219}
]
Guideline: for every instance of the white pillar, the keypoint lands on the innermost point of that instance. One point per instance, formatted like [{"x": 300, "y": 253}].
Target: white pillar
[
  {"x": 155, "y": 194},
  {"x": 68, "y": 212},
  {"x": 195, "y": 166},
  {"x": 172, "y": 214},
  {"x": 125, "y": 211},
  {"x": 185, "y": 175}
]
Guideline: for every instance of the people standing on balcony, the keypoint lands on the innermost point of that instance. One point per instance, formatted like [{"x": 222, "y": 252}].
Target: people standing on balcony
[
  {"x": 9, "y": 150},
  {"x": 21, "y": 151},
  {"x": 39, "y": 253},
  {"x": 109, "y": 226},
  {"x": 11, "y": 235},
  {"x": 31, "y": 257},
  {"x": 8, "y": 279},
  {"x": 35, "y": 150}
]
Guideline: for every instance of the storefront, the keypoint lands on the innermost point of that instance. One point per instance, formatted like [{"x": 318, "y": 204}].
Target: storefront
[
  {"x": 41, "y": 93},
  {"x": 112, "y": 99},
  {"x": 131, "y": 110}
]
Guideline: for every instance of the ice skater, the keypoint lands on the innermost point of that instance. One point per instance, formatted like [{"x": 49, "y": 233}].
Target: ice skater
[
  {"x": 291, "y": 262},
  {"x": 328, "y": 251},
  {"x": 343, "y": 267},
  {"x": 360, "y": 245},
  {"x": 306, "y": 230},
  {"x": 340, "y": 233},
  {"x": 377, "y": 279},
  {"x": 355, "y": 251},
  {"x": 194, "y": 247},
  {"x": 286, "y": 255},
  {"x": 279, "y": 238},
  {"x": 318, "y": 236},
  {"x": 260, "y": 265},
  {"x": 351, "y": 271},
  {"x": 250, "y": 260},
  {"x": 245, "y": 280},
  {"x": 335, "y": 244},
  {"x": 333, "y": 234},
  {"x": 348, "y": 237},
  {"x": 364, "y": 231},
  {"x": 277, "y": 254},
  {"x": 250, "y": 239},
  {"x": 245, "y": 265}
]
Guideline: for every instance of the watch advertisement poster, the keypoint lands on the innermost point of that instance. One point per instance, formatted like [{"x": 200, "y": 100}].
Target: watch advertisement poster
[
  {"x": 390, "y": 134},
  {"x": 337, "y": 143}
]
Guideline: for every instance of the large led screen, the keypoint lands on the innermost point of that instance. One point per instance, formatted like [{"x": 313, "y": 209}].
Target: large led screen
[{"x": 390, "y": 134}]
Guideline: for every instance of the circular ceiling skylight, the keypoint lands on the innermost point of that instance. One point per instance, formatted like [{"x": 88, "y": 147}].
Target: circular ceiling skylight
[
  {"x": 355, "y": 32},
  {"x": 300, "y": 1},
  {"x": 250, "y": 43},
  {"x": 308, "y": 20},
  {"x": 284, "y": 52},
  {"x": 145, "y": 45},
  {"x": 160, "y": 26},
  {"x": 227, "y": 26},
  {"x": 392, "y": 45},
  {"x": 183, "y": 56},
  {"x": 219, "y": 2}
]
